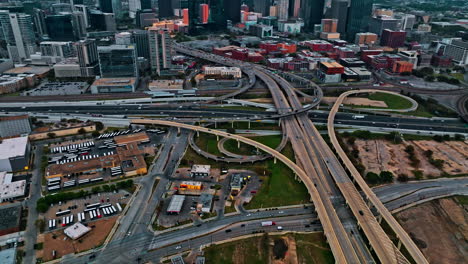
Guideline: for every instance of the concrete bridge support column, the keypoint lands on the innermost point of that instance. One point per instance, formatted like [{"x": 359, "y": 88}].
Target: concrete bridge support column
[
  {"x": 379, "y": 219},
  {"x": 217, "y": 137},
  {"x": 249, "y": 124},
  {"x": 274, "y": 160},
  {"x": 238, "y": 144},
  {"x": 232, "y": 124},
  {"x": 215, "y": 125},
  {"x": 198, "y": 133},
  {"x": 399, "y": 244},
  {"x": 178, "y": 130}
]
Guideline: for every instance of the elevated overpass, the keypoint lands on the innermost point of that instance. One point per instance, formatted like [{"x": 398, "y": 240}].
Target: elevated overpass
[{"x": 402, "y": 235}]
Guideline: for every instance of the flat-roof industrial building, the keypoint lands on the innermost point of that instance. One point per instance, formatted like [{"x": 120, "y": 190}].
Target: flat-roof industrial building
[
  {"x": 14, "y": 154},
  {"x": 10, "y": 189},
  {"x": 10, "y": 217},
  {"x": 175, "y": 206},
  {"x": 76, "y": 231},
  {"x": 14, "y": 125},
  {"x": 200, "y": 170}
]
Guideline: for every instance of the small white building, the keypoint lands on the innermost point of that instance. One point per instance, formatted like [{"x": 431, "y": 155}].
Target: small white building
[
  {"x": 223, "y": 71},
  {"x": 9, "y": 189},
  {"x": 200, "y": 170},
  {"x": 14, "y": 154},
  {"x": 76, "y": 231}
]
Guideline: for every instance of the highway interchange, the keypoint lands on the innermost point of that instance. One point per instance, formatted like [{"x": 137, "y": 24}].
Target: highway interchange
[{"x": 333, "y": 193}]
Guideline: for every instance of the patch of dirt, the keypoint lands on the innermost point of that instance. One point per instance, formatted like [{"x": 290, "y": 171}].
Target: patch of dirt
[
  {"x": 63, "y": 245},
  {"x": 291, "y": 254},
  {"x": 356, "y": 101},
  {"x": 454, "y": 153},
  {"x": 379, "y": 155},
  {"x": 440, "y": 229}
]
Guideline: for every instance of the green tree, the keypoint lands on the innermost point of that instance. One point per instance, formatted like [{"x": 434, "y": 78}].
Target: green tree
[
  {"x": 51, "y": 135},
  {"x": 99, "y": 126},
  {"x": 386, "y": 176},
  {"x": 82, "y": 131},
  {"x": 372, "y": 178}
]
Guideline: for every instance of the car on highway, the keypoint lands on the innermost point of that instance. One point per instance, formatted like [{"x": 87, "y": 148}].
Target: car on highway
[
  {"x": 178, "y": 247},
  {"x": 228, "y": 230}
]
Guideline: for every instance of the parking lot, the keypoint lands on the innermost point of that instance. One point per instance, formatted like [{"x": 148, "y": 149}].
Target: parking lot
[
  {"x": 59, "y": 212},
  {"x": 115, "y": 154}
]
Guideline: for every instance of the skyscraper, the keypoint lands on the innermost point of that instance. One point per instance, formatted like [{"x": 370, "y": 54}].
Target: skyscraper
[
  {"x": 61, "y": 28},
  {"x": 294, "y": 8},
  {"x": 140, "y": 38},
  {"x": 312, "y": 13},
  {"x": 339, "y": 10},
  {"x": 106, "y": 6},
  {"x": 359, "y": 13},
  {"x": 262, "y": 6},
  {"x": 18, "y": 32},
  {"x": 133, "y": 7},
  {"x": 117, "y": 61},
  {"x": 165, "y": 9},
  {"x": 87, "y": 57},
  {"x": 39, "y": 22},
  {"x": 283, "y": 9},
  {"x": 204, "y": 13},
  {"x": 160, "y": 50},
  {"x": 85, "y": 10},
  {"x": 232, "y": 8}
]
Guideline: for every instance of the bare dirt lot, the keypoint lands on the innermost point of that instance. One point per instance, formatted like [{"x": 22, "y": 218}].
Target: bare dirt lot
[
  {"x": 440, "y": 229},
  {"x": 381, "y": 155},
  {"x": 357, "y": 101},
  {"x": 63, "y": 245},
  {"x": 454, "y": 153}
]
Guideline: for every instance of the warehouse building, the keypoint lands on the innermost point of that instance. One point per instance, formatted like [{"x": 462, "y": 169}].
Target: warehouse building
[
  {"x": 10, "y": 217},
  {"x": 14, "y": 154},
  {"x": 14, "y": 125},
  {"x": 205, "y": 202},
  {"x": 200, "y": 171},
  {"x": 76, "y": 231},
  {"x": 10, "y": 189},
  {"x": 175, "y": 206}
]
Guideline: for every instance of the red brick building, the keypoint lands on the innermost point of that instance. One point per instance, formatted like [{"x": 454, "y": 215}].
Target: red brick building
[
  {"x": 402, "y": 66},
  {"x": 393, "y": 39}
]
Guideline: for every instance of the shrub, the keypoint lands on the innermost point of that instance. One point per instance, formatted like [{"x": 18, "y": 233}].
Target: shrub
[{"x": 403, "y": 177}]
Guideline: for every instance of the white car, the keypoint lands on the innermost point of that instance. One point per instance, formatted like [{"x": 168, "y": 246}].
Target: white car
[{"x": 178, "y": 247}]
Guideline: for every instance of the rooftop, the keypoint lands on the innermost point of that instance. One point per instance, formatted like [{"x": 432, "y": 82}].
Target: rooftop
[
  {"x": 114, "y": 81},
  {"x": 10, "y": 118},
  {"x": 9, "y": 188},
  {"x": 138, "y": 137},
  {"x": 76, "y": 231},
  {"x": 201, "y": 169},
  {"x": 28, "y": 70},
  {"x": 10, "y": 216},
  {"x": 8, "y": 256},
  {"x": 176, "y": 203},
  {"x": 13, "y": 147}
]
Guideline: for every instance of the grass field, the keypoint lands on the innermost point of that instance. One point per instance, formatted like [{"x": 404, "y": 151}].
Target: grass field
[
  {"x": 270, "y": 141},
  {"x": 459, "y": 76},
  {"x": 311, "y": 248},
  {"x": 208, "y": 142},
  {"x": 279, "y": 188},
  {"x": 241, "y": 107},
  {"x": 253, "y": 125},
  {"x": 392, "y": 101}
]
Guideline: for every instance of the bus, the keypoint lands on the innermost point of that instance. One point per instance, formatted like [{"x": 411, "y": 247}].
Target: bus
[{"x": 64, "y": 212}]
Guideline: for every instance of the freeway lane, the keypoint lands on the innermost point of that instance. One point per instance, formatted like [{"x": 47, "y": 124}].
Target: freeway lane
[{"x": 369, "y": 194}]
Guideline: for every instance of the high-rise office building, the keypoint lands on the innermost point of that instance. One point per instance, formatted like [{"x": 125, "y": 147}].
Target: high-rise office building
[
  {"x": 117, "y": 9},
  {"x": 283, "y": 9},
  {"x": 165, "y": 9},
  {"x": 85, "y": 10},
  {"x": 262, "y": 6},
  {"x": 160, "y": 50},
  {"x": 218, "y": 18},
  {"x": 294, "y": 8},
  {"x": 64, "y": 27},
  {"x": 117, "y": 61},
  {"x": 378, "y": 24},
  {"x": 135, "y": 5},
  {"x": 204, "y": 13},
  {"x": 79, "y": 24},
  {"x": 140, "y": 38},
  {"x": 359, "y": 13},
  {"x": 39, "y": 22},
  {"x": 88, "y": 60},
  {"x": 185, "y": 16},
  {"x": 18, "y": 33},
  {"x": 339, "y": 10},
  {"x": 123, "y": 38},
  {"x": 102, "y": 21},
  {"x": 232, "y": 8},
  {"x": 106, "y": 6},
  {"x": 312, "y": 13}
]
